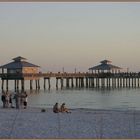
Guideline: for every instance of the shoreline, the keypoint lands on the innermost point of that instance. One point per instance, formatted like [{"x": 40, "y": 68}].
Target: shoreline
[
  {"x": 80, "y": 123},
  {"x": 74, "y": 109}
]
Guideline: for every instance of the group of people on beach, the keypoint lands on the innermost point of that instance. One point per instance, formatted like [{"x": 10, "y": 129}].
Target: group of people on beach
[
  {"x": 62, "y": 108},
  {"x": 20, "y": 99}
]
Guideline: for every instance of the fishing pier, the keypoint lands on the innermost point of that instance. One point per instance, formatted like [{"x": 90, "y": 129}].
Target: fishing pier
[
  {"x": 74, "y": 80},
  {"x": 104, "y": 75}
]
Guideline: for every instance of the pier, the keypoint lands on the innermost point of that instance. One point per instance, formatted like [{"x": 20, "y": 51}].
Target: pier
[
  {"x": 74, "y": 80},
  {"x": 104, "y": 75}
]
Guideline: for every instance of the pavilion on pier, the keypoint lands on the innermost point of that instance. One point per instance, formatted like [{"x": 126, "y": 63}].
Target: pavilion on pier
[
  {"x": 104, "y": 67},
  {"x": 19, "y": 70}
]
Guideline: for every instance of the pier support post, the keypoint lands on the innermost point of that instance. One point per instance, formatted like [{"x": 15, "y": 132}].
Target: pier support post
[
  {"x": 2, "y": 85},
  {"x": 132, "y": 82},
  {"x": 49, "y": 84},
  {"x": 56, "y": 83},
  {"x": 44, "y": 83},
  {"x": 109, "y": 82},
  {"x": 72, "y": 84},
  {"x": 38, "y": 84},
  {"x": 82, "y": 82},
  {"x": 22, "y": 84},
  {"x": 126, "y": 82},
  {"x": 67, "y": 82},
  {"x": 121, "y": 82},
  {"x": 135, "y": 82},
  {"x": 92, "y": 82},
  {"x": 15, "y": 85},
  {"x": 79, "y": 82},
  {"x": 129, "y": 82},
  {"x": 61, "y": 83},
  {"x": 86, "y": 82},
  {"x": 138, "y": 82},
  {"x": 31, "y": 84},
  {"x": 76, "y": 82},
  {"x": 7, "y": 84}
]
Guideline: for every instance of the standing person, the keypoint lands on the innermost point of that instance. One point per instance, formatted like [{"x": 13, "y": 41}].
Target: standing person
[
  {"x": 16, "y": 97},
  {"x": 25, "y": 100},
  {"x": 7, "y": 99},
  {"x": 21, "y": 100},
  {"x": 3, "y": 99},
  {"x": 64, "y": 109},
  {"x": 10, "y": 100},
  {"x": 56, "y": 108}
]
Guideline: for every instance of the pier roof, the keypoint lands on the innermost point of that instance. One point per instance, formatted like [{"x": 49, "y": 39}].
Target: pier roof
[
  {"x": 18, "y": 64},
  {"x": 105, "y": 66},
  {"x": 19, "y": 58}
]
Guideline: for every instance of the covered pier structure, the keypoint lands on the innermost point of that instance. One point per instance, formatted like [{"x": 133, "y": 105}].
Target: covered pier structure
[
  {"x": 106, "y": 69},
  {"x": 19, "y": 70}
]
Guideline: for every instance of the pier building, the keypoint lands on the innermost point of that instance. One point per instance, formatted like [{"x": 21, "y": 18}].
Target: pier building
[
  {"x": 19, "y": 70},
  {"x": 105, "y": 66}
]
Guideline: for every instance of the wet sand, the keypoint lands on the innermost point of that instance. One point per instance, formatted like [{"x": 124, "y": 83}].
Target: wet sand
[{"x": 81, "y": 123}]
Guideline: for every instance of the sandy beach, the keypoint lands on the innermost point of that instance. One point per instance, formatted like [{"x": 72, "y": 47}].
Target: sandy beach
[{"x": 81, "y": 123}]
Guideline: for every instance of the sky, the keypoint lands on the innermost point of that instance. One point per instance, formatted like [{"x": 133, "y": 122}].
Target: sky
[{"x": 68, "y": 35}]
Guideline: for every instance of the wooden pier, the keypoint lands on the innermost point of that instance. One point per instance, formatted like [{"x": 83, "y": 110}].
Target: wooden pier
[
  {"x": 104, "y": 75},
  {"x": 94, "y": 80},
  {"x": 74, "y": 80}
]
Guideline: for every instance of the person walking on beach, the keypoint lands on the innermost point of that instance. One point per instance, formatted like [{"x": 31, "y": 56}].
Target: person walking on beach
[
  {"x": 25, "y": 100},
  {"x": 10, "y": 100},
  {"x": 56, "y": 108},
  {"x": 7, "y": 97},
  {"x": 3, "y": 99},
  {"x": 64, "y": 109},
  {"x": 16, "y": 97}
]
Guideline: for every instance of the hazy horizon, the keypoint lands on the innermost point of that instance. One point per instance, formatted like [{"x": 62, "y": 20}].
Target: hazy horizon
[{"x": 71, "y": 35}]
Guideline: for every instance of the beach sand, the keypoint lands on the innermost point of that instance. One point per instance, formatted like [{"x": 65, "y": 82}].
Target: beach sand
[{"x": 81, "y": 123}]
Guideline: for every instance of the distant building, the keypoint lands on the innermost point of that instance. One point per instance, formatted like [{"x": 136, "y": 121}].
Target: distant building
[{"x": 105, "y": 66}]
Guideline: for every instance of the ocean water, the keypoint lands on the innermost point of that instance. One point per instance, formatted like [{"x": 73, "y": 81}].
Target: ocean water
[{"x": 92, "y": 98}]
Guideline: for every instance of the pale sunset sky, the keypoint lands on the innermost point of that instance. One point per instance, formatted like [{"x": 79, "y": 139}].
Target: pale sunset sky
[{"x": 71, "y": 35}]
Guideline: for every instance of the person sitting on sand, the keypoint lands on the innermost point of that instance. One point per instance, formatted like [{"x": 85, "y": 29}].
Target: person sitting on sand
[
  {"x": 64, "y": 109},
  {"x": 56, "y": 108}
]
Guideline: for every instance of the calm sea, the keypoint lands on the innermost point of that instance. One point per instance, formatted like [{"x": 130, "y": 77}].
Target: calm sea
[{"x": 92, "y": 98}]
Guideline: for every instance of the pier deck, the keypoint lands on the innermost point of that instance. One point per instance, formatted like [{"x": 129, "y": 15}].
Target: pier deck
[{"x": 88, "y": 80}]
